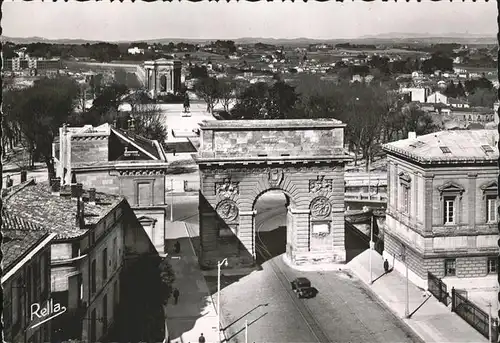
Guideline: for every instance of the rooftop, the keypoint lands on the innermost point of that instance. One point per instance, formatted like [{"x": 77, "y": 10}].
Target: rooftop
[
  {"x": 19, "y": 237},
  {"x": 271, "y": 124},
  {"x": 36, "y": 203},
  {"x": 464, "y": 146}
]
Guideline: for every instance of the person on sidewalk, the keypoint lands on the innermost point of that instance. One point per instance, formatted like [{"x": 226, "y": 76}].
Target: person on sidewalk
[
  {"x": 176, "y": 296},
  {"x": 177, "y": 247},
  {"x": 201, "y": 339},
  {"x": 386, "y": 266}
]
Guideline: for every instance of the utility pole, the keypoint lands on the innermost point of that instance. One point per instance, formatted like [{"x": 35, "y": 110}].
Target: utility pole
[
  {"x": 489, "y": 322},
  {"x": 171, "y": 200},
  {"x": 219, "y": 264},
  {"x": 371, "y": 248},
  {"x": 369, "y": 175},
  {"x": 407, "y": 305},
  {"x": 246, "y": 331}
]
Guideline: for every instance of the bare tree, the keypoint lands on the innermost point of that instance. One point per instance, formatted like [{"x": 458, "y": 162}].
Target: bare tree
[{"x": 208, "y": 89}]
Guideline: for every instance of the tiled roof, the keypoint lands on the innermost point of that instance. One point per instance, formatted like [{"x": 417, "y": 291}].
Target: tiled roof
[
  {"x": 469, "y": 146},
  {"x": 19, "y": 238},
  {"x": 457, "y": 101},
  {"x": 36, "y": 203}
]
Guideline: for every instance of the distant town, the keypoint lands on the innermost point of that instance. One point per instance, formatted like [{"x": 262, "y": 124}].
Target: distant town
[{"x": 276, "y": 191}]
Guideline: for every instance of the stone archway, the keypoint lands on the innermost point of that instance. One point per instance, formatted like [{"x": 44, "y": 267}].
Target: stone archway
[{"x": 240, "y": 160}]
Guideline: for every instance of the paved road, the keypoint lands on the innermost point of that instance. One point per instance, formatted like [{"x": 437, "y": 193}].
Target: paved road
[{"x": 343, "y": 311}]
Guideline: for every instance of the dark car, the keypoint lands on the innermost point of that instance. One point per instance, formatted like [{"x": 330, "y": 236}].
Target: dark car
[{"x": 302, "y": 287}]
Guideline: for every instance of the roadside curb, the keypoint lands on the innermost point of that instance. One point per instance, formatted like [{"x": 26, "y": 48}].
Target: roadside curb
[
  {"x": 314, "y": 268},
  {"x": 404, "y": 321},
  {"x": 222, "y": 320}
]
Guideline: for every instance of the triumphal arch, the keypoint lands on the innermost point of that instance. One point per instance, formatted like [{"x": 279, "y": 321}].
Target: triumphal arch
[{"x": 239, "y": 160}]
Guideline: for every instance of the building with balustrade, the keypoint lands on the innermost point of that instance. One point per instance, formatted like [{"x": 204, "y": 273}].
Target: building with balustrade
[
  {"x": 117, "y": 162},
  {"x": 442, "y": 206}
]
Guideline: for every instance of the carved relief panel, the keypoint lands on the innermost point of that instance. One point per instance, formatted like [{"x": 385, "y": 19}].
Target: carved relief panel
[
  {"x": 226, "y": 188},
  {"x": 320, "y": 185},
  {"x": 227, "y": 210}
]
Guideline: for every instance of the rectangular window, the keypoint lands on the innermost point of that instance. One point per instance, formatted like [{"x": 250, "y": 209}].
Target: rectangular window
[
  {"x": 105, "y": 313},
  {"x": 491, "y": 209},
  {"x": 143, "y": 194},
  {"x": 115, "y": 258},
  {"x": 16, "y": 305},
  {"x": 43, "y": 285},
  {"x": 93, "y": 326},
  {"x": 75, "y": 249},
  {"x": 449, "y": 210},
  {"x": 406, "y": 198},
  {"x": 492, "y": 265},
  {"x": 450, "y": 267},
  {"x": 93, "y": 277},
  {"x": 104, "y": 264}
]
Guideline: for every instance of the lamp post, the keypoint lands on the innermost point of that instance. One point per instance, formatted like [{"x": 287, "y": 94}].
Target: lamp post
[
  {"x": 407, "y": 303},
  {"x": 219, "y": 264},
  {"x": 371, "y": 248},
  {"x": 246, "y": 331},
  {"x": 489, "y": 322},
  {"x": 171, "y": 200},
  {"x": 369, "y": 174}
]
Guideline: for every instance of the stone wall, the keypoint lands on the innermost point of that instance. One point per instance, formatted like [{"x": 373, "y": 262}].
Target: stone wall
[
  {"x": 272, "y": 143},
  {"x": 89, "y": 149},
  {"x": 319, "y": 186},
  {"x": 104, "y": 181}
]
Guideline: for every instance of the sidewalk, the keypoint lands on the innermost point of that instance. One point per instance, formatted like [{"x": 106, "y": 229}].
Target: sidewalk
[
  {"x": 195, "y": 313},
  {"x": 433, "y": 322}
]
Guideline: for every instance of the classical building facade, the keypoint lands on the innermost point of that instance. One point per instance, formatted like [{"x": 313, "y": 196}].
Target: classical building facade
[
  {"x": 93, "y": 233},
  {"x": 241, "y": 160},
  {"x": 163, "y": 77},
  {"x": 441, "y": 210},
  {"x": 119, "y": 162},
  {"x": 25, "y": 279}
]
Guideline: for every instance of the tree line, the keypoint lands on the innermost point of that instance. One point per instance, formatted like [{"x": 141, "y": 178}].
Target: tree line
[{"x": 374, "y": 113}]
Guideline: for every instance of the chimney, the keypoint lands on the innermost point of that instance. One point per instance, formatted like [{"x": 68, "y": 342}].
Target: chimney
[
  {"x": 131, "y": 125},
  {"x": 9, "y": 182},
  {"x": 24, "y": 176},
  {"x": 92, "y": 197},
  {"x": 80, "y": 211},
  {"x": 76, "y": 190},
  {"x": 412, "y": 135},
  {"x": 55, "y": 185}
]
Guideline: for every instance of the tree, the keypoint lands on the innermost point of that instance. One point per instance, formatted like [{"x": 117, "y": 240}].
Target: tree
[
  {"x": 226, "y": 93},
  {"x": 483, "y": 97},
  {"x": 418, "y": 121},
  {"x": 208, "y": 89},
  {"x": 110, "y": 97},
  {"x": 148, "y": 122},
  {"x": 167, "y": 276},
  {"x": 261, "y": 101},
  {"x": 39, "y": 111}
]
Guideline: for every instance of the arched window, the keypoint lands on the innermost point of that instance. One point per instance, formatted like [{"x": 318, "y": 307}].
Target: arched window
[{"x": 163, "y": 83}]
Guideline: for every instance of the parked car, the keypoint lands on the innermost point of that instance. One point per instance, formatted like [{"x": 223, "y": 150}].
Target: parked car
[{"x": 302, "y": 287}]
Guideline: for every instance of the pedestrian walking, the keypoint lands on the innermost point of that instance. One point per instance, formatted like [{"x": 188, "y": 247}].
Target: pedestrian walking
[
  {"x": 386, "y": 266},
  {"x": 177, "y": 247},
  {"x": 176, "y": 296},
  {"x": 201, "y": 339}
]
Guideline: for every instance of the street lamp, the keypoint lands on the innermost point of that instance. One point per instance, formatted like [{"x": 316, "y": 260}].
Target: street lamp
[
  {"x": 407, "y": 304},
  {"x": 171, "y": 200},
  {"x": 371, "y": 247},
  {"x": 219, "y": 264}
]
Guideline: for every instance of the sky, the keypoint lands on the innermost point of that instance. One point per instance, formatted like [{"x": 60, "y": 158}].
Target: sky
[{"x": 117, "y": 21}]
